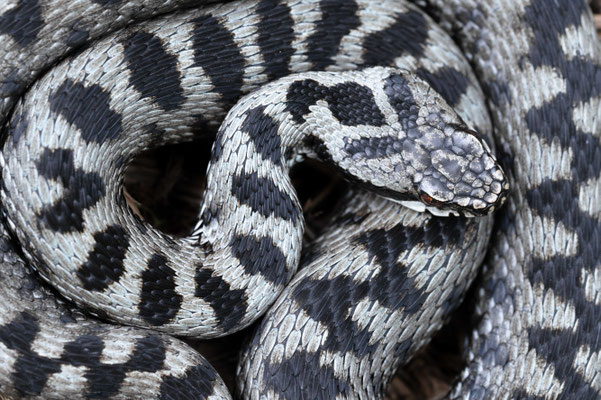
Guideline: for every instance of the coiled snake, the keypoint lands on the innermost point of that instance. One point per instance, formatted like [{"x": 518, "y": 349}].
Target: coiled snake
[{"x": 337, "y": 331}]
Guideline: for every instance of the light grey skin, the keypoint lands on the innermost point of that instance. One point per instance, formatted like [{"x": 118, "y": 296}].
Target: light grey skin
[
  {"x": 427, "y": 159},
  {"x": 105, "y": 61},
  {"x": 214, "y": 253},
  {"x": 538, "y": 315},
  {"x": 48, "y": 350},
  {"x": 424, "y": 157},
  {"x": 355, "y": 313}
]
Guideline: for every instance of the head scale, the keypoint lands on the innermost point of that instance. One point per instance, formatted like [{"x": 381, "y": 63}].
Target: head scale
[{"x": 423, "y": 155}]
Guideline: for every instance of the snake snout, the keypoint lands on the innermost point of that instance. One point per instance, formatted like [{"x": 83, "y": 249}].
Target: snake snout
[{"x": 464, "y": 178}]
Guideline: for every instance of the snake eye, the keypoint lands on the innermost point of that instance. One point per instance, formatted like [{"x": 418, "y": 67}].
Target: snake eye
[
  {"x": 426, "y": 199},
  {"x": 430, "y": 201}
]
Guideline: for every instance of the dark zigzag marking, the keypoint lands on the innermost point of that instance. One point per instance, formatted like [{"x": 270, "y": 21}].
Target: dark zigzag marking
[
  {"x": 301, "y": 95},
  {"x": 196, "y": 383},
  {"x": 545, "y": 48},
  {"x": 387, "y": 245},
  {"x": 338, "y": 19},
  {"x": 408, "y": 34},
  {"x": 276, "y": 35},
  {"x": 350, "y": 103},
  {"x": 263, "y": 131},
  {"x": 562, "y": 274},
  {"x": 401, "y": 99},
  {"x": 228, "y": 304},
  {"x": 353, "y": 104},
  {"x": 30, "y": 371},
  {"x": 23, "y": 22},
  {"x": 554, "y": 121},
  {"x": 560, "y": 348},
  {"x": 105, "y": 262},
  {"x": 81, "y": 191},
  {"x": 218, "y": 54},
  {"x": 153, "y": 71},
  {"x": 448, "y": 82},
  {"x": 88, "y": 109},
  {"x": 374, "y": 147},
  {"x": 104, "y": 380},
  {"x": 559, "y": 200},
  {"x": 159, "y": 302},
  {"x": 261, "y": 256},
  {"x": 583, "y": 77},
  {"x": 327, "y": 301},
  {"x": 263, "y": 196},
  {"x": 302, "y": 376}
]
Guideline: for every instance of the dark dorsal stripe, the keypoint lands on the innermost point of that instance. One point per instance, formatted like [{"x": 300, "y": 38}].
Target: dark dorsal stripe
[
  {"x": 30, "y": 371},
  {"x": 559, "y": 200},
  {"x": 303, "y": 373},
  {"x": 218, "y": 54},
  {"x": 407, "y": 35},
  {"x": 401, "y": 99},
  {"x": 24, "y": 22},
  {"x": 104, "y": 380},
  {"x": 263, "y": 131},
  {"x": 554, "y": 120},
  {"x": 81, "y": 191},
  {"x": 261, "y": 256},
  {"x": 448, "y": 82},
  {"x": 264, "y": 196},
  {"x": 196, "y": 383},
  {"x": 386, "y": 246},
  {"x": 372, "y": 148},
  {"x": 545, "y": 48},
  {"x": 159, "y": 302},
  {"x": 276, "y": 35},
  {"x": 327, "y": 299},
  {"x": 153, "y": 71},
  {"x": 88, "y": 109},
  {"x": 105, "y": 262},
  {"x": 338, "y": 19},
  {"x": 228, "y": 304},
  {"x": 351, "y": 104}
]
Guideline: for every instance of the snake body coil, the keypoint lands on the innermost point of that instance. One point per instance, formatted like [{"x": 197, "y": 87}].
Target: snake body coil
[{"x": 394, "y": 137}]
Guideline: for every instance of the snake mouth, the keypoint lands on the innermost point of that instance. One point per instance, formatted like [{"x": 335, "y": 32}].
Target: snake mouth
[{"x": 466, "y": 206}]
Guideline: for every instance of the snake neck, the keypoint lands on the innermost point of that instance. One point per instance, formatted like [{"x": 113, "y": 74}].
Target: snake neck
[{"x": 250, "y": 209}]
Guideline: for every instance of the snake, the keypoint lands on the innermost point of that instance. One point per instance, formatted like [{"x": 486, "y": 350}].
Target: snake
[{"x": 504, "y": 345}]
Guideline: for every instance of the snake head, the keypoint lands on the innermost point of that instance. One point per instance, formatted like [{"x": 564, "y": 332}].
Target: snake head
[
  {"x": 424, "y": 156},
  {"x": 462, "y": 177}
]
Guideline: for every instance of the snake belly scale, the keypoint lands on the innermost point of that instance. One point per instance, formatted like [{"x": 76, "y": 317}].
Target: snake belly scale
[{"x": 110, "y": 78}]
